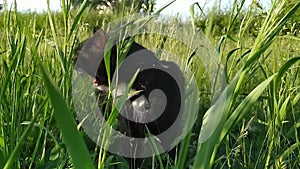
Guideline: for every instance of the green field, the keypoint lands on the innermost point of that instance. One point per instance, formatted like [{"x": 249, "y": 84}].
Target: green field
[{"x": 259, "y": 118}]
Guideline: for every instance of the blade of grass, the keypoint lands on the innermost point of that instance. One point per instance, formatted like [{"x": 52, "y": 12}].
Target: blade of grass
[
  {"x": 245, "y": 106},
  {"x": 205, "y": 154},
  {"x": 283, "y": 70},
  {"x": 210, "y": 128},
  {"x": 17, "y": 149},
  {"x": 54, "y": 34},
  {"x": 78, "y": 18},
  {"x": 62, "y": 114}
]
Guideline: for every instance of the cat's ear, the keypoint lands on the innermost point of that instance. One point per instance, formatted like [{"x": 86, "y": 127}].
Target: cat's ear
[
  {"x": 97, "y": 28},
  {"x": 99, "y": 33}
]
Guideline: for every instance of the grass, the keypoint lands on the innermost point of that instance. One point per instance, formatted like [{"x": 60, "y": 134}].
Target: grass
[{"x": 258, "y": 110}]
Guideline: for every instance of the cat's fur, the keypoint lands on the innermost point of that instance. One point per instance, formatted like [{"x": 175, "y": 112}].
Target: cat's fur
[{"x": 145, "y": 82}]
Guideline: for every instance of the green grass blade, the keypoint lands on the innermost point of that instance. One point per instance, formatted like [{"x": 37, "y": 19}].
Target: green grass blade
[
  {"x": 73, "y": 141},
  {"x": 245, "y": 106},
  {"x": 213, "y": 122},
  {"x": 214, "y": 114},
  {"x": 2, "y": 158},
  {"x": 227, "y": 72},
  {"x": 296, "y": 99},
  {"x": 162, "y": 8},
  {"x": 289, "y": 151},
  {"x": 78, "y": 17},
  {"x": 192, "y": 13},
  {"x": 270, "y": 35},
  {"x": 283, "y": 70},
  {"x": 54, "y": 34},
  {"x": 7, "y": 79},
  {"x": 17, "y": 149},
  {"x": 282, "y": 111}
]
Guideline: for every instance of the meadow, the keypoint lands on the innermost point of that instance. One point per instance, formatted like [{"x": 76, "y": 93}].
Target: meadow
[{"x": 258, "y": 111}]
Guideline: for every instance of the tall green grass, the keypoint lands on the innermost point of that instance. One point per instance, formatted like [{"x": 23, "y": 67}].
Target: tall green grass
[{"x": 259, "y": 121}]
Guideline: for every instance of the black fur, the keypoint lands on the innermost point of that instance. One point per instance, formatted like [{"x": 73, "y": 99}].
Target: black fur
[{"x": 146, "y": 81}]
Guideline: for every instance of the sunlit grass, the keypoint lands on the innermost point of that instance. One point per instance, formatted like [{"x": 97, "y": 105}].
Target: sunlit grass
[{"x": 259, "y": 120}]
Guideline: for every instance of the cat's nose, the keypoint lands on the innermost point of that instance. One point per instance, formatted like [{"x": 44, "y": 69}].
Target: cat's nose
[{"x": 141, "y": 103}]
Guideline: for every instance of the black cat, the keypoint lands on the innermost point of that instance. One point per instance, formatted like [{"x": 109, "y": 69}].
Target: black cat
[{"x": 139, "y": 106}]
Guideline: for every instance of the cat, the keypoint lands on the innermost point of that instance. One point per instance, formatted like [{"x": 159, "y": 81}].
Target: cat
[{"x": 139, "y": 106}]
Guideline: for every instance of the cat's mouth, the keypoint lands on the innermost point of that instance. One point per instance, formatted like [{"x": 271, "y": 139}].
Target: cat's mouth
[
  {"x": 118, "y": 91},
  {"x": 140, "y": 103},
  {"x": 101, "y": 87}
]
